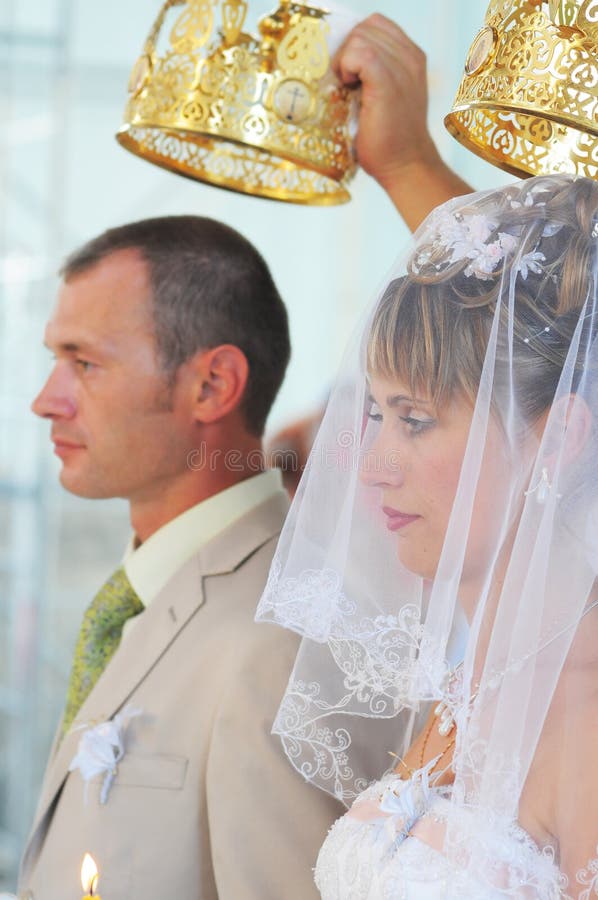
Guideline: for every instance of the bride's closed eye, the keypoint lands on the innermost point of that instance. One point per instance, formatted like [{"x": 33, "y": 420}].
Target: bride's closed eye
[
  {"x": 417, "y": 426},
  {"x": 415, "y": 421},
  {"x": 374, "y": 413}
]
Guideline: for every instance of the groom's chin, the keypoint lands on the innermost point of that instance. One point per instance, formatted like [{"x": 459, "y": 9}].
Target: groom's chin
[{"x": 77, "y": 484}]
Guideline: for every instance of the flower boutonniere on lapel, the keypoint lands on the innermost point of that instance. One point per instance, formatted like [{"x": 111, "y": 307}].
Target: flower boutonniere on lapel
[{"x": 101, "y": 748}]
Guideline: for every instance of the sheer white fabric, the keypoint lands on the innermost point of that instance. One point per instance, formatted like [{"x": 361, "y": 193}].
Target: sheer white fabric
[{"x": 478, "y": 587}]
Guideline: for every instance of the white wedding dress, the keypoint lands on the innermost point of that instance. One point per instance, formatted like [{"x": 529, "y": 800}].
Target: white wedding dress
[{"x": 383, "y": 849}]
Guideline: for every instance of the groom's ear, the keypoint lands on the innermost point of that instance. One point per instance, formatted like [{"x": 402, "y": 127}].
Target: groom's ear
[
  {"x": 572, "y": 414},
  {"x": 220, "y": 377}
]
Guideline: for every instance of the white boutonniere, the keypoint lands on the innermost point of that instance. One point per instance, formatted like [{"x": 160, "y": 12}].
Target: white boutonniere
[{"x": 101, "y": 748}]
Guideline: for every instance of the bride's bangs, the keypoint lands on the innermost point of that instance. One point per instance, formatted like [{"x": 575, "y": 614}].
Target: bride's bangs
[{"x": 423, "y": 336}]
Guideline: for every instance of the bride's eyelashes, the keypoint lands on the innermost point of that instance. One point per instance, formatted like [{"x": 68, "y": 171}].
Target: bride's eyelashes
[{"x": 415, "y": 424}]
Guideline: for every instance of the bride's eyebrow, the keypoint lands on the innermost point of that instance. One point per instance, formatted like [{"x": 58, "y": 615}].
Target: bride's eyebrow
[
  {"x": 393, "y": 400},
  {"x": 397, "y": 399}
]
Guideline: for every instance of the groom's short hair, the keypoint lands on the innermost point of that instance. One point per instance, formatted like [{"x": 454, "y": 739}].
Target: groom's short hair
[{"x": 210, "y": 286}]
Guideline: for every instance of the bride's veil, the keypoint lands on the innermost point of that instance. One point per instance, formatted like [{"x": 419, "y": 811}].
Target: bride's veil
[{"x": 494, "y": 305}]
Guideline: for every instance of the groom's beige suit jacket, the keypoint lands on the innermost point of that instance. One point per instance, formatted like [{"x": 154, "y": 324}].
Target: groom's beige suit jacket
[{"x": 204, "y": 803}]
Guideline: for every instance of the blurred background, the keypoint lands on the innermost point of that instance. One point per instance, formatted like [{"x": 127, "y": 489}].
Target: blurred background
[{"x": 64, "y": 67}]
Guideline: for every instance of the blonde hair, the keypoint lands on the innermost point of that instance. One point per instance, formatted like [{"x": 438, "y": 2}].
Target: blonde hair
[{"x": 431, "y": 328}]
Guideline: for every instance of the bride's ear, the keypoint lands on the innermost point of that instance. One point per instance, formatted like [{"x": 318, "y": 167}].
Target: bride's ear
[{"x": 573, "y": 415}]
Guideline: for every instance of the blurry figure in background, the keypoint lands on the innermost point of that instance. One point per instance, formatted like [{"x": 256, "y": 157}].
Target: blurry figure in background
[{"x": 289, "y": 448}]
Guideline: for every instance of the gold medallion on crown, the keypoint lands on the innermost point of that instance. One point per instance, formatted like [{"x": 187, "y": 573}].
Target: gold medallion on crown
[
  {"x": 260, "y": 114},
  {"x": 528, "y": 100}
]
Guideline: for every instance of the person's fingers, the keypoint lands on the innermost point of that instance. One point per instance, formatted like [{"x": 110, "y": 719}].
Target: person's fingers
[
  {"x": 377, "y": 23},
  {"x": 398, "y": 46},
  {"x": 360, "y": 58},
  {"x": 387, "y": 33},
  {"x": 373, "y": 40}
]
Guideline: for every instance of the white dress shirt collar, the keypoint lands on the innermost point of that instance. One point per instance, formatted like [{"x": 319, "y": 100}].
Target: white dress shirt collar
[{"x": 152, "y": 564}]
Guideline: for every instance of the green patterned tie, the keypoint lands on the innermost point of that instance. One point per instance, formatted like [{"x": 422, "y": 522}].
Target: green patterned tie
[{"x": 100, "y": 635}]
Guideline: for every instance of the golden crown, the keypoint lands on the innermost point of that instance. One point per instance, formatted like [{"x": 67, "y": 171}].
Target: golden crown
[
  {"x": 528, "y": 98},
  {"x": 262, "y": 115}
]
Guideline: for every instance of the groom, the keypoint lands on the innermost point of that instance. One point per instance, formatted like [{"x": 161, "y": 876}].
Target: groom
[{"x": 170, "y": 343}]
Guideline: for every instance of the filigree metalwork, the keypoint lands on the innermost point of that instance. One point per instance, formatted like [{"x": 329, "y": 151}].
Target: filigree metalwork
[
  {"x": 257, "y": 115},
  {"x": 530, "y": 105}
]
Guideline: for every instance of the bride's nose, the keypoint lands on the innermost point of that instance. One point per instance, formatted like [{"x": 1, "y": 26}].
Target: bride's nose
[{"x": 381, "y": 467}]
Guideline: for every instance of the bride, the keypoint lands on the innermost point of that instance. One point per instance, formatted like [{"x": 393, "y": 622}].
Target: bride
[{"x": 440, "y": 561}]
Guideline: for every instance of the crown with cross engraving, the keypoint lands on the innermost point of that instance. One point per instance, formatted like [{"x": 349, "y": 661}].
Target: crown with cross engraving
[
  {"x": 261, "y": 115},
  {"x": 528, "y": 100}
]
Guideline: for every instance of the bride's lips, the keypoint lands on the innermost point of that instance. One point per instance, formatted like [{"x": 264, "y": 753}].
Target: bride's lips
[{"x": 397, "y": 519}]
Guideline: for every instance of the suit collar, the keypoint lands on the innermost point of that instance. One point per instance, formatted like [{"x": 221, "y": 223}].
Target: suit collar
[
  {"x": 152, "y": 564},
  {"x": 251, "y": 531}
]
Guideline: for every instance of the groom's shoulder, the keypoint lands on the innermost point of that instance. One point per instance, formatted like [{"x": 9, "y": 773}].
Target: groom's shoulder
[{"x": 255, "y": 532}]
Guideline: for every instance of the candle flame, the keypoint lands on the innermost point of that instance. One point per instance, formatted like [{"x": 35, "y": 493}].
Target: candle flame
[{"x": 89, "y": 875}]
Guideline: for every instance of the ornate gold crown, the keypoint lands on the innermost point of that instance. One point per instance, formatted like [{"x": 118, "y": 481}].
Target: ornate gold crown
[
  {"x": 259, "y": 115},
  {"x": 528, "y": 98}
]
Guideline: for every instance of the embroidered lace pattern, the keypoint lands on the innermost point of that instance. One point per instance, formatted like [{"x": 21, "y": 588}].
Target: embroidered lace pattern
[
  {"x": 379, "y": 661},
  {"x": 586, "y": 878}
]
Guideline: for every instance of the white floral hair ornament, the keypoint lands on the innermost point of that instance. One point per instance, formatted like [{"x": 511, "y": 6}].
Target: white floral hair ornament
[
  {"x": 467, "y": 238},
  {"x": 101, "y": 748}
]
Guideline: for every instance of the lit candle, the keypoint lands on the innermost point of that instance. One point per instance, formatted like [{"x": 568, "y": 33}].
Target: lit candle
[{"x": 89, "y": 878}]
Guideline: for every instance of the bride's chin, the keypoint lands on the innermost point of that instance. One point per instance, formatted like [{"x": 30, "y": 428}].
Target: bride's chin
[{"x": 416, "y": 563}]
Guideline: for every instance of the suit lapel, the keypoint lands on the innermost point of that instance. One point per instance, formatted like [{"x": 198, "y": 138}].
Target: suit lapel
[
  {"x": 157, "y": 627},
  {"x": 229, "y": 549}
]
